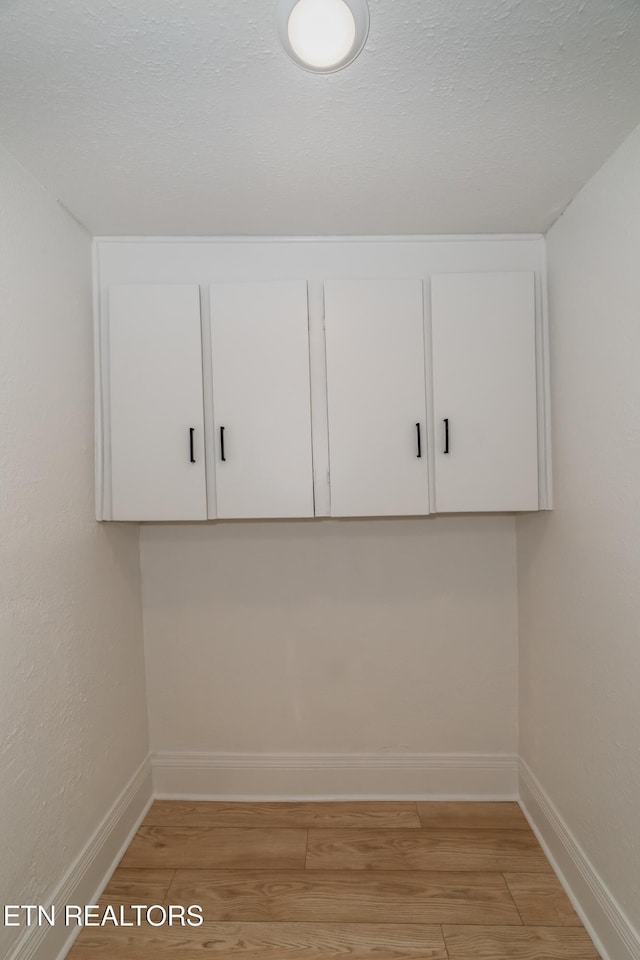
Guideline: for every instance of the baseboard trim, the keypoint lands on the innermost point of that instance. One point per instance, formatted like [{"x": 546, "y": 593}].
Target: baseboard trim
[
  {"x": 86, "y": 878},
  {"x": 604, "y": 919},
  {"x": 362, "y": 776}
]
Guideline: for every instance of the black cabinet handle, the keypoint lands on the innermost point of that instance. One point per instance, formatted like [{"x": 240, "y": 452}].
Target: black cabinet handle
[
  {"x": 419, "y": 453},
  {"x": 446, "y": 435},
  {"x": 192, "y": 458},
  {"x": 222, "y": 456}
]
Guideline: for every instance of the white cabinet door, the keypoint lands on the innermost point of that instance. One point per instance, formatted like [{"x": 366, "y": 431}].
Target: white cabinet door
[
  {"x": 376, "y": 397},
  {"x": 156, "y": 403},
  {"x": 261, "y": 399},
  {"x": 484, "y": 383}
]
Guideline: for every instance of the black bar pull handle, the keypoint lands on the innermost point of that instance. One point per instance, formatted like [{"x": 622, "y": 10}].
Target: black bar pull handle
[
  {"x": 192, "y": 431},
  {"x": 419, "y": 453},
  {"x": 446, "y": 435},
  {"x": 222, "y": 456}
]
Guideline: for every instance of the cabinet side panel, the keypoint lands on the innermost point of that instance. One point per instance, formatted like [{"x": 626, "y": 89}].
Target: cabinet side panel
[
  {"x": 484, "y": 379},
  {"x": 155, "y": 366}
]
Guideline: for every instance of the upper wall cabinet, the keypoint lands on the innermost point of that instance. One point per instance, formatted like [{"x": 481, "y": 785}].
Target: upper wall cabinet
[
  {"x": 287, "y": 379},
  {"x": 376, "y": 394},
  {"x": 484, "y": 390},
  {"x": 156, "y": 425},
  {"x": 261, "y": 399}
]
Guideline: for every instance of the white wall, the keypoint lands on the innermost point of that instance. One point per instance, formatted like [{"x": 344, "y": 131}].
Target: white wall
[
  {"x": 579, "y": 567},
  {"x": 332, "y": 636},
  {"x": 73, "y": 725},
  {"x": 390, "y": 638}
]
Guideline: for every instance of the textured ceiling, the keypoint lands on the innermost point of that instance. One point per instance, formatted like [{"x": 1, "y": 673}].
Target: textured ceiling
[{"x": 185, "y": 116}]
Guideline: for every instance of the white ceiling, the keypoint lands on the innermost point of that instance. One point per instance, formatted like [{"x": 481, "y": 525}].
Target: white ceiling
[{"x": 185, "y": 116}]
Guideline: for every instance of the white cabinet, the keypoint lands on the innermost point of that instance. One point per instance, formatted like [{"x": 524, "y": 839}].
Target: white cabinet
[
  {"x": 156, "y": 403},
  {"x": 484, "y": 391},
  {"x": 376, "y": 397},
  {"x": 377, "y": 382},
  {"x": 261, "y": 399}
]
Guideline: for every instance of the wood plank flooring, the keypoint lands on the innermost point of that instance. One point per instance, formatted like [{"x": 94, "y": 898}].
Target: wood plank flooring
[
  {"x": 311, "y": 881},
  {"x": 205, "y": 847},
  {"x": 178, "y": 813},
  {"x": 345, "y": 896},
  {"x": 499, "y": 850}
]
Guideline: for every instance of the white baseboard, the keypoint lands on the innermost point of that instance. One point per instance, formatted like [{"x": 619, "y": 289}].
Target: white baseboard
[
  {"x": 86, "y": 878},
  {"x": 609, "y": 928},
  {"x": 363, "y": 776}
]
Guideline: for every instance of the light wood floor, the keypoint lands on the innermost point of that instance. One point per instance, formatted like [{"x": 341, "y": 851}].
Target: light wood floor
[{"x": 384, "y": 881}]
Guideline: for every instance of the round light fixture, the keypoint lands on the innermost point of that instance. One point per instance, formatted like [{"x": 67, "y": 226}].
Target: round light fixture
[{"x": 322, "y": 35}]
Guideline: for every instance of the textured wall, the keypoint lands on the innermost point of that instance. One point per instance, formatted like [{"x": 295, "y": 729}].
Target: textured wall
[
  {"x": 578, "y": 567},
  {"x": 72, "y": 705},
  {"x": 336, "y": 636}
]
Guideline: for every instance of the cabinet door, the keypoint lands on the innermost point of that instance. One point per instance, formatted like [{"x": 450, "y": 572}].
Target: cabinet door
[
  {"x": 376, "y": 397},
  {"x": 484, "y": 382},
  {"x": 261, "y": 399},
  {"x": 156, "y": 403}
]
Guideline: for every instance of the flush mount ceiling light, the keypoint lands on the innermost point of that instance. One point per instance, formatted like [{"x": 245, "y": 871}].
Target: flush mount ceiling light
[{"x": 322, "y": 35}]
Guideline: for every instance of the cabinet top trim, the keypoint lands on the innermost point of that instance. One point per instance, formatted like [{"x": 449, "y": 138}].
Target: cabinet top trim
[{"x": 389, "y": 238}]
